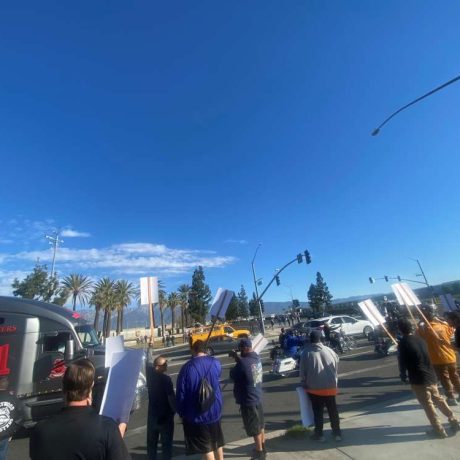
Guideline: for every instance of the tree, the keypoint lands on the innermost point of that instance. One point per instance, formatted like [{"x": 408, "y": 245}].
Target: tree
[
  {"x": 162, "y": 304},
  {"x": 103, "y": 298},
  {"x": 39, "y": 285},
  {"x": 243, "y": 305},
  {"x": 233, "y": 309},
  {"x": 319, "y": 296},
  {"x": 79, "y": 287},
  {"x": 173, "y": 302},
  {"x": 125, "y": 293},
  {"x": 254, "y": 306},
  {"x": 200, "y": 296},
  {"x": 183, "y": 292}
]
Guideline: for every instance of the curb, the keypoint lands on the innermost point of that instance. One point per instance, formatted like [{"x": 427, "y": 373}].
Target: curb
[{"x": 278, "y": 433}]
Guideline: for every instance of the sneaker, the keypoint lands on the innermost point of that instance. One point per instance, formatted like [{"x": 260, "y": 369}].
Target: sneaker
[
  {"x": 258, "y": 455},
  {"x": 452, "y": 402},
  {"x": 337, "y": 438},
  {"x": 254, "y": 451},
  {"x": 454, "y": 426},
  {"x": 435, "y": 433},
  {"x": 318, "y": 437}
]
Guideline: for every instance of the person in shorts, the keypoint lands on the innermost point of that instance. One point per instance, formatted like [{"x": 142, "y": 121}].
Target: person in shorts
[
  {"x": 247, "y": 378},
  {"x": 202, "y": 430}
]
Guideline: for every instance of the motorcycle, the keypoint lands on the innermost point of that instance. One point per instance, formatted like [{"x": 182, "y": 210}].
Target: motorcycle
[
  {"x": 282, "y": 364},
  {"x": 384, "y": 346}
]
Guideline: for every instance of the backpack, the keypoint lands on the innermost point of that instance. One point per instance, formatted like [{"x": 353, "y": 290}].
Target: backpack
[{"x": 206, "y": 394}]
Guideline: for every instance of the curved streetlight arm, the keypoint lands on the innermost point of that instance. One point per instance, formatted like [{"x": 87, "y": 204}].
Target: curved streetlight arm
[
  {"x": 377, "y": 130},
  {"x": 275, "y": 275}
]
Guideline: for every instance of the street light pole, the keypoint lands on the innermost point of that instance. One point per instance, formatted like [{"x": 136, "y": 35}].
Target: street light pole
[
  {"x": 377, "y": 130},
  {"x": 257, "y": 290},
  {"x": 55, "y": 242},
  {"x": 421, "y": 269}
]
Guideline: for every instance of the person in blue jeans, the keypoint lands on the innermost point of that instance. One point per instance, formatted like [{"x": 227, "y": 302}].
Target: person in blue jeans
[{"x": 160, "y": 421}]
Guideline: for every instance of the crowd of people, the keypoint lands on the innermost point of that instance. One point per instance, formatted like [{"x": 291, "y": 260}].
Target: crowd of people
[{"x": 426, "y": 356}]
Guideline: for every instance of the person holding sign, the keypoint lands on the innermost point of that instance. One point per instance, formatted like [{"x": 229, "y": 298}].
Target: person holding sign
[
  {"x": 247, "y": 379},
  {"x": 78, "y": 431},
  {"x": 415, "y": 366},
  {"x": 318, "y": 375},
  {"x": 437, "y": 335}
]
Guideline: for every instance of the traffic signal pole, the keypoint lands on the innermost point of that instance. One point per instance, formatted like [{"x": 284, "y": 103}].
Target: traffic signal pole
[{"x": 298, "y": 259}]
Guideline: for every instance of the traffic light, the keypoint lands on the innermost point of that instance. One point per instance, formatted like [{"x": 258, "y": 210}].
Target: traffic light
[
  {"x": 386, "y": 278},
  {"x": 299, "y": 258},
  {"x": 307, "y": 257},
  {"x": 371, "y": 280},
  {"x": 277, "y": 279}
]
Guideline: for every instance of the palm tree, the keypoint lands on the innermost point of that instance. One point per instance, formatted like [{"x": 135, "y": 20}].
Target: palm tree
[
  {"x": 79, "y": 286},
  {"x": 173, "y": 302},
  {"x": 103, "y": 298},
  {"x": 125, "y": 293},
  {"x": 183, "y": 291},
  {"x": 162, "y": 304}
]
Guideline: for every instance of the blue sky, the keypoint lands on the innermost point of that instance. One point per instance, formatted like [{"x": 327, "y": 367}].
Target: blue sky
[{"x": 171, "y": 134}]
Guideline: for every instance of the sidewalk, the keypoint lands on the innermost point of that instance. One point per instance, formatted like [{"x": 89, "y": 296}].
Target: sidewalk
[{"x": 391, "y": 430}]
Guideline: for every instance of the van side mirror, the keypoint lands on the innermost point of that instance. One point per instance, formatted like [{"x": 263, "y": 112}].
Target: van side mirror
[{"x": 69, "y": 350}]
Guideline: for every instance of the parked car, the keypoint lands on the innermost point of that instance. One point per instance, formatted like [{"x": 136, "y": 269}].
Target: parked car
[
  {"x": 222, "y": 344},
  {"x": 349, "y": 325}
]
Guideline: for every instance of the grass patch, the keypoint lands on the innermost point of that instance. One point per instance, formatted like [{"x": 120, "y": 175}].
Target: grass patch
[{"x": 298, "y": 432}]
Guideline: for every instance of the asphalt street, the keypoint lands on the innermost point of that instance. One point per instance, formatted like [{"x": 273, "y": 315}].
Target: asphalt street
[{"x": 365, "y": 378}]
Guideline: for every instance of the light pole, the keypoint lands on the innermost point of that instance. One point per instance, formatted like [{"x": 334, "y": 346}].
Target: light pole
[
  {"x": 377, "y": 130},
  {"x": 55, "y": 242},
  {"x": 421, "y": 269},
  {"x": 257, "y": 290}
]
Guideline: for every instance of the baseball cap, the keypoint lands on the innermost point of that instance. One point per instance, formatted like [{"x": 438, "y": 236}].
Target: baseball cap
[{"x": 245, "y": 343}]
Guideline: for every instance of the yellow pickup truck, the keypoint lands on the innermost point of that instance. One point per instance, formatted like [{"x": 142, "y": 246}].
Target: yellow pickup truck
[{"x": 219, "y": 329}]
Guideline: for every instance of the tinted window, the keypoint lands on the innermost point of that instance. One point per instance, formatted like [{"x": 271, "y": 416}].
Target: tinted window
[
  {"x": 55, "y": 343},
  {"x": 348, "y": 319},
  {"x": 336, "y": 321},
  {"x": 315, "y": 323}
]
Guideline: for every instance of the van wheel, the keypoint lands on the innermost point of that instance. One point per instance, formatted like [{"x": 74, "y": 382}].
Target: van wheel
[{"x": 210, "y": 351}]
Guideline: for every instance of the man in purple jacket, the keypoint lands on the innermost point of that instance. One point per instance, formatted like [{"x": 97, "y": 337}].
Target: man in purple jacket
[{"x": 202, "y": 430}]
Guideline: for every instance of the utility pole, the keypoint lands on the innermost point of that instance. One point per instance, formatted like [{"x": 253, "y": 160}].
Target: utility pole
[
  {"x": 55, "y": 242},
  {"x": 257, "y": 291}
]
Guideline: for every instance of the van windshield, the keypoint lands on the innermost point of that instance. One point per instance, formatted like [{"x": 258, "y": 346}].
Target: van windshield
[{"x": 87, "y": 335}]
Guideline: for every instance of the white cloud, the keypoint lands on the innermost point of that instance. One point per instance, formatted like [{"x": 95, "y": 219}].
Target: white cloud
[
  {"x": 234, "y": 241},
  {"x": 69, "y": 233},
  {"x": 132, "y": 258}
]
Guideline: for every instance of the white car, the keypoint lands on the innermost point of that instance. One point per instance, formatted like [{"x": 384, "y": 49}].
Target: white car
[{"x": 349, "y": 325}]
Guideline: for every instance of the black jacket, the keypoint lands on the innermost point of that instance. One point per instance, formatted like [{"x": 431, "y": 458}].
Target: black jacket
[
  {"x": 247, "y": 378},
  {"x": 415, "y": 361},
  {"x": 161, "y": 393},
  {"x": 77, "y": 433}
]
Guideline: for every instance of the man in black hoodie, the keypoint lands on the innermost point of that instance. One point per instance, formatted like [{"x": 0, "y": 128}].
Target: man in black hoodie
[
  {"x": 414, "y": 362},
  {"x": 247, "y": 378}
]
